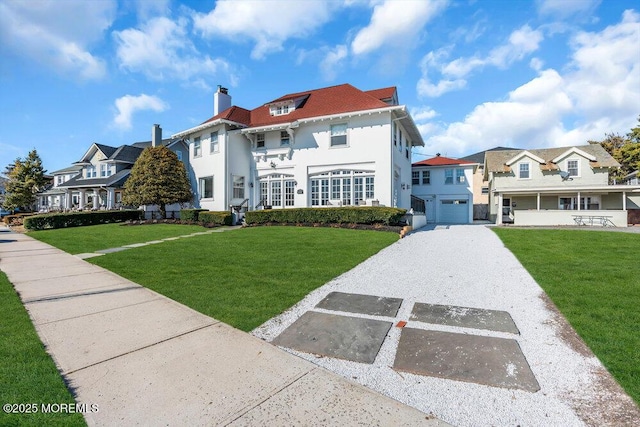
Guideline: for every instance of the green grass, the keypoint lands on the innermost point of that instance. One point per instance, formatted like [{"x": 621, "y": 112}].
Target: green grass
[
  {"x": 76, "y": 240},
  {"x": 593, "y": 277},
  {"x": 245, "y": 277},
  {"x": 27, "y": 373}
]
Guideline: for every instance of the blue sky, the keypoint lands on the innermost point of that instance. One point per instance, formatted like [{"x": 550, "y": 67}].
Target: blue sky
[{"x": 475, "y": 74}]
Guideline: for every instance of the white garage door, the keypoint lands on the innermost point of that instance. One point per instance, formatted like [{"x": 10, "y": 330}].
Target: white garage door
[{"x": 454, "y": 211}]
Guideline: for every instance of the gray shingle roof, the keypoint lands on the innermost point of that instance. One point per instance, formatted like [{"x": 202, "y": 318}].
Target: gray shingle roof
[
  {"x": 479, "y": 156},
  {"x": 116, "y": 180},
  {"x": 496, "y": 160}
]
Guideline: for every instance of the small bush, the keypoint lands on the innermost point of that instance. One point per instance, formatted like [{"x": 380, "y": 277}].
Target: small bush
[
  {"x": 215, "y": 218},
  {"x": 344, "y": 215},
  {"x": 78, "y": 219},
  {"x": 16, "y": 219},
  {"x": 190, "y": 215}
]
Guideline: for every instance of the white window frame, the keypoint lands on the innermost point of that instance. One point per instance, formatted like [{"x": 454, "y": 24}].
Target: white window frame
[
  {"x": 339, "y": 132},
  {"x": 460, "y": 177},
  {"x": 448, "y": 176},
  {"x": 285, "y": 139},
  {"x": 197, "y": 147},
  {"x": 90, "y": 172},
  {"x": 520, "y": 170},
  {"x": 577, "y": 168},
  {"x": 201, "y": 187},
  {"x": 237, "y": 187},
  {"x": 426, "y": 177},
  {"x": 260, "y": 140},
  {"x": 277, "y": 190},
  {"x": 415, "y": 177},
  {"x": 214, "y": 145},
  {"x": 348, "y": 187}
]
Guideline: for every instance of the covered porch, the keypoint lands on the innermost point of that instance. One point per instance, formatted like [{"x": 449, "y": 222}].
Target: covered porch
[{"x": 597, "y": 205}]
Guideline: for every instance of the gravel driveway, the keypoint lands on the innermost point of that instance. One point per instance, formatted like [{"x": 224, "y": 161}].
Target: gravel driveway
[{"x": 468, "y": 266}]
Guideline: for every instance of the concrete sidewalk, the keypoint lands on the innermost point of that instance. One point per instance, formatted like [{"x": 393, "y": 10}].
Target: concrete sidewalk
[{"x": 146, "y": 359}]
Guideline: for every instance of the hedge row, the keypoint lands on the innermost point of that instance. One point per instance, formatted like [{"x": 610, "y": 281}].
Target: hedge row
[
  {"x": 215, "y": 218},
  {"x": 78, "y": 219},
  {"x": 190, "y": 215},
  {"x": 344, "y": 215}
]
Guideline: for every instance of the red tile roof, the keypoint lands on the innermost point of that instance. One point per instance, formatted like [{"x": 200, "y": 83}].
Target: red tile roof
[
  {"x": 383, "y": 93},
  {"x": 233, "y": 114},
  {"x": 441, "y": 161},
  {"x": 319, "y": 102}
]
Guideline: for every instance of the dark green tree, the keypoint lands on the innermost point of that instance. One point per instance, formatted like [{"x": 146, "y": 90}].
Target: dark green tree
[
  {"x": 157, "y": 178},
  {"x": 25, "y": 178}
]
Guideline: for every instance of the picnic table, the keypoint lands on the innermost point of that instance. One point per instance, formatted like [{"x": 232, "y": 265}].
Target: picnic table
[{"x": 603, "y": 220}]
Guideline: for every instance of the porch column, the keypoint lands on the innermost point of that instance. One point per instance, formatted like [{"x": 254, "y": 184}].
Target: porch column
[
  {"x": 624, "y": 200},
  {"x": 96, "y": 199},
  {"x": 538, "y": 201},
  {"x": 579, "y": 201},
  {"x": 82, "y": 199},
  {"x": 111, "y": 196},
  {"x": 49, "y": 202},
  {"x": 499, "y": 217},
  {"x": 68, "y": 200}
]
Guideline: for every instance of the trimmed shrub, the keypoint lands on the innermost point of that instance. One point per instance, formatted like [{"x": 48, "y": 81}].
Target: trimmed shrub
[
  {"x": 79, "y": 219},
  {"x": 190, "y": 215},
  {"x": 344, "y": 215},
  {"x": 215, "y": 218}
]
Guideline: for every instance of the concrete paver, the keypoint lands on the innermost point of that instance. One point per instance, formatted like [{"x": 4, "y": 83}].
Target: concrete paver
[
  {"x": 477, "y": 318},
  {"x": 145, "y": 359},
  {"x": 497, "y": 362},
  {"x": 363, "y": 304},
  {"x": 349, "y": 338}
]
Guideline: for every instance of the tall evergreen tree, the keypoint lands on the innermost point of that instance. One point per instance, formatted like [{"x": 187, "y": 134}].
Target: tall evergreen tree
[
  {"x": 157, "y": 178},
  {"x": 25, "y": 179}
]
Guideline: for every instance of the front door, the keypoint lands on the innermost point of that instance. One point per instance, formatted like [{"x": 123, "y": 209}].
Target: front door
[
  {"x": 430, "y": 209},
  {"x": 507, "y": 216}
]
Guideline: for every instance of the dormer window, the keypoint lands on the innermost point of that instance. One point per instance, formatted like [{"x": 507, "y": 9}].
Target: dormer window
[
  {"x": 573, "y": 167},
  {"x": 282, "y": 109}
]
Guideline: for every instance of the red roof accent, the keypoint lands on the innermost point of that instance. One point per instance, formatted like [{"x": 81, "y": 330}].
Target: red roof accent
[
  {"x": 233, "y": 114},
  {"x": 318, "y": 102},
  {"x": 383, "y": 93},
  {"x": 441, "y": 161}
]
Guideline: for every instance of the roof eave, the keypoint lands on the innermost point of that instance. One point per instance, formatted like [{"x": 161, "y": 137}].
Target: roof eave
[{"x": 206, "y": 125}]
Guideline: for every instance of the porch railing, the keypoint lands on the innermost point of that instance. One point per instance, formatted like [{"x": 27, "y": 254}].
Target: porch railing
[{"x": 417, "y": 204}]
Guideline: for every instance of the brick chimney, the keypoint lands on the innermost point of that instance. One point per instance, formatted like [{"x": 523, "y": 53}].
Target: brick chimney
[
  {"x": 221, "y": 100},
  {"x": 156, "y": 136}
]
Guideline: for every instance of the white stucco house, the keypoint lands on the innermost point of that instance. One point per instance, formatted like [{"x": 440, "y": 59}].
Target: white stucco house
[
  {"x": 334, "y": 146},
  {"x": 557, "y": 186},
  {"x": 446, "y": 185}
]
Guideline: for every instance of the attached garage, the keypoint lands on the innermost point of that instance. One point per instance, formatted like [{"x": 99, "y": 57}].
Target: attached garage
[{"x": 454, "y": 211}]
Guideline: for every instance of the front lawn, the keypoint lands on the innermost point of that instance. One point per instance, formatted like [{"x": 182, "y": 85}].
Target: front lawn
[
  {"x": 77, "y": 240},
  {"x": 241, "y": 277},
  {"x": 593, "y": 277},
  {"x": 28, "y": 375}
]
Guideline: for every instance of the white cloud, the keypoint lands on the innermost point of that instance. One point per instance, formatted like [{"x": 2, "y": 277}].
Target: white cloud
[
  {"x": 599, "y": 93},
  {"x": 147, "y": 9},
  {"x": 161, "y": 49},
  {"x": 564, "y": 8},
  {"x": 423, "y": 113},
  {"x": 58, "y": 34},
  {"x": 332, "y": 61},
  {"x": 128, "y": 105},
  {"x": 395, "y": 22},
  {"x": 521, "y": 42},
  {"x": 267, "y": 23}
]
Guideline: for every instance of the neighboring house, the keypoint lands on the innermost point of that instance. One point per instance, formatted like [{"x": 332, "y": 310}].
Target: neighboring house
[
  {"x": 96, "y": 181},
  {"x": 480, "y": 185},
  {"x": 632, "y": 179},
  {"x": 446, "y": 186},
  {"x": 556, "y": 186},
  {"x": 335, "y": 146},
  {"x": 54, "y": 197}
]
